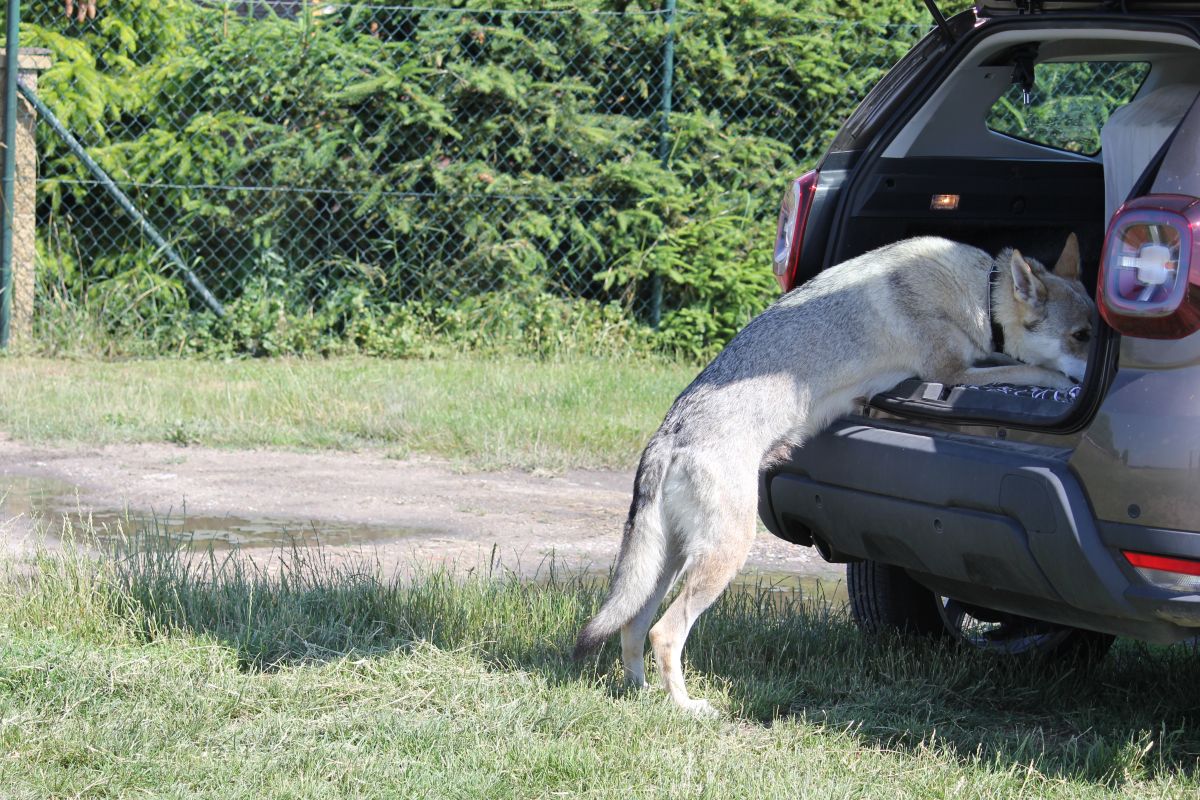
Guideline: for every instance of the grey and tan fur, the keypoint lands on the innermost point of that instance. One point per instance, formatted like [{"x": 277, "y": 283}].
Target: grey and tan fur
[{"x": 917, "y": 307}]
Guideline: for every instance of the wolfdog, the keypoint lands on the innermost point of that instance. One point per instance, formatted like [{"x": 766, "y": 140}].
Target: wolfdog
[{"x": 925, "y": 307}]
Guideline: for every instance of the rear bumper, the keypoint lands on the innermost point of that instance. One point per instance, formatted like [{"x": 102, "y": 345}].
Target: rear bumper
[{"x": 1001, "y": 524}]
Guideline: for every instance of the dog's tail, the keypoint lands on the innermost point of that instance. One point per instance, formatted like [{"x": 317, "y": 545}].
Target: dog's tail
[{"x": 643, "y": 553}]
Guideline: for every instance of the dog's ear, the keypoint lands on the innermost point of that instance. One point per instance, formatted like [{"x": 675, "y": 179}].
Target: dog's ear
[
  {"x": 1027, "y": 286},
  {"x": 1068, "y": 263}
]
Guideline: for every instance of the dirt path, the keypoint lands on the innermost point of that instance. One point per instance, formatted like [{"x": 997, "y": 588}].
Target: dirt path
[{"x": 402, "y": 511}]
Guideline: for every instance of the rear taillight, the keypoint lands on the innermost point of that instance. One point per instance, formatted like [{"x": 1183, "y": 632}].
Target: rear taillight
[
  {"x": 793, "y": 216},
  {"x": 1166, "y": 572},
  {"x": 1150, "y": 270}
]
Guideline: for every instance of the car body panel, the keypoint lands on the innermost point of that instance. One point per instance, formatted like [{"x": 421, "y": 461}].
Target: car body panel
[
  {"x": 1001, "y": 524},
  {"x": 1140, "y": 457}
]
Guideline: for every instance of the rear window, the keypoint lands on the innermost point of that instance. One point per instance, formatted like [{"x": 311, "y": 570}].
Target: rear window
[{"x": 1069, "y": 104}]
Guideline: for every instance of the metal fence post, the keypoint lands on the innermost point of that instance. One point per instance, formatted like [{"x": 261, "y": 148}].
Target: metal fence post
[
  {"x": 664, "y": 141},
  {"x": 11, "y": 65}
]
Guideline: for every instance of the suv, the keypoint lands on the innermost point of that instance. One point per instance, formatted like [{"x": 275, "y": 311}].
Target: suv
[{"x": 1021, "y": 519}]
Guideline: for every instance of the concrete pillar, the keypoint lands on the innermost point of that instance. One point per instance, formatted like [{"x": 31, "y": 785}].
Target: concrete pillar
[{"x": 32, "y": 61}]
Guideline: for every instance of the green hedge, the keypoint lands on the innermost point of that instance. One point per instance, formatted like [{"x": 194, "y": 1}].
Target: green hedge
[{"x": 385, "y": 163}]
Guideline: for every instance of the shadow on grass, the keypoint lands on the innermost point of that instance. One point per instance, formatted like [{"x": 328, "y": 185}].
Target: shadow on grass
[
  {"x": 775, "y": 656},
  {"x": 1132, "y": 715}
]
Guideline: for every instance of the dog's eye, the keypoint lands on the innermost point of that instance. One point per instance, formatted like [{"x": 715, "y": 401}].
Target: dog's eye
[{"x": 1082, "y": 336}]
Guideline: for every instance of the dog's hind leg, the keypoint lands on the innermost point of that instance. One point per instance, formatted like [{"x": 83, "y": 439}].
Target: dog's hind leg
[
  {"x": 633, "y": 633},
  {"x": 708, "y": 574}
]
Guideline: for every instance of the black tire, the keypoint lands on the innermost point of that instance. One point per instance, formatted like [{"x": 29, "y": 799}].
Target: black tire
[
  {"x": 1013, "y": 635},
  {"x": 884, "y": 598}
]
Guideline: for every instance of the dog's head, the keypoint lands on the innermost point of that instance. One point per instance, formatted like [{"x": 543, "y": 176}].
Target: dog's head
[{"x": 1049, "y": 319}]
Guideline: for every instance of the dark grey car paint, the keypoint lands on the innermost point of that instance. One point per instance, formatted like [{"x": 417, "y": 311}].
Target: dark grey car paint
[{"x": 1140, "y": 457}]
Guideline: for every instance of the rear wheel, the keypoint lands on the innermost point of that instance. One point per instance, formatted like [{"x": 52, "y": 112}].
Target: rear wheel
[
  {"x": 1013, "y": 635},
  {"x": 884, "y": 597}
]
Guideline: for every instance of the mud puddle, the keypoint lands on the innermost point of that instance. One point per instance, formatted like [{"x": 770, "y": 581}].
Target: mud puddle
[
  {"x": 823, "y": 590},
  {"x": 49, "y": 508}
]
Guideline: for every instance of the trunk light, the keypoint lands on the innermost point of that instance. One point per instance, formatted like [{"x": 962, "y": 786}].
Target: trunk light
[
  {"x": 789, "y": 234},
  {"x": 1150, "y": 270},
  {"x": 1166, "y": 572},
  {"x": 943, "y": 202}
]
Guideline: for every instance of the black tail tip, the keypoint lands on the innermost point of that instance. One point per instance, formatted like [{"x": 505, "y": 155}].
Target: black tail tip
[{"x": 588, "y": 642}]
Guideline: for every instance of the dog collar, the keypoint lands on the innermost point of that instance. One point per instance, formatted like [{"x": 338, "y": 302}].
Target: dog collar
[{"x": 997, "y": 331}]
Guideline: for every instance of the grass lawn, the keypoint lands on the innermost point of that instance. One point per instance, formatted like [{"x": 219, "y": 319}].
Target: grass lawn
[
  {"x": 485, "y": 413},
  {"x": 152, "y": 675}
]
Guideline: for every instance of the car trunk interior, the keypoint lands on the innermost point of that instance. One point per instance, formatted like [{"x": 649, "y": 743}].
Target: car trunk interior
[
  {"x": 1031, "y": 205},
  {"x": 1009, "y": 191}
]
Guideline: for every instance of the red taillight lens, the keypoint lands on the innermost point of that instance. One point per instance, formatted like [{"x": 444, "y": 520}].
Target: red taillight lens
[
  {"x": 1184, "y": 566},
  {"x": 1166, "y": 572},
  {"x": 1150, "y": 270},
  {"x": 793, "y": 216}
]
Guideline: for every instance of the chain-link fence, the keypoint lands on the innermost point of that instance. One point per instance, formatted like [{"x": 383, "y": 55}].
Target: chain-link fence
[{"x": 330, "y": 153}]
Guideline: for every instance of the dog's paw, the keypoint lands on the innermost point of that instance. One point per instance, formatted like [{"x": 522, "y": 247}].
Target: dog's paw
[
  {"x": 1056, "y": 380},
  {"x": 701, "y": 709}
]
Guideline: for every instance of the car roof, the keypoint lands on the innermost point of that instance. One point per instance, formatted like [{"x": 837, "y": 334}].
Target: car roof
[
  {"x": 1006, "y": 7},
  {"x": 999, "y": 8}
]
